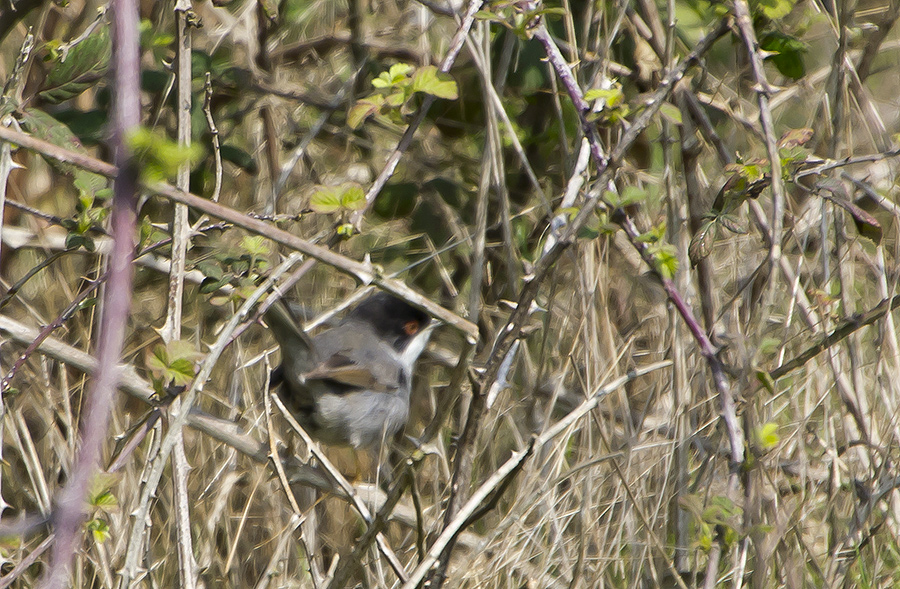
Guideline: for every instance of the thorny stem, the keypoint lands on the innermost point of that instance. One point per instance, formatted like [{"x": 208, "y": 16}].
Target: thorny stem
[{"x": 117, "y": 302}]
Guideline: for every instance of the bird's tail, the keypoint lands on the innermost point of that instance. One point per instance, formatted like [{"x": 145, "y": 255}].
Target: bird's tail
[{"x": 297, "y": 352}]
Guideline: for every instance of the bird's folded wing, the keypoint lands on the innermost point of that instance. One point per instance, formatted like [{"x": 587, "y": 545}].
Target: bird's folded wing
[
  {"x": 298, "y": 355},
  {"x": 356, "y": 372}
]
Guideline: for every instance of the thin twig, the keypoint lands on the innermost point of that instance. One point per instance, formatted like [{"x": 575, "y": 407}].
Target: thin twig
[
  {"x": 763, "y": 91},
  {"x": 171, "y": 329},
  {"x": 214, "y": 138}
]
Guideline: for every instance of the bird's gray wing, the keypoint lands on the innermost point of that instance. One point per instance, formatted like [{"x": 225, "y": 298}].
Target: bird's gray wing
[
  {"x": 362, "y": 367},
  {"x": 298, "y": 354}
]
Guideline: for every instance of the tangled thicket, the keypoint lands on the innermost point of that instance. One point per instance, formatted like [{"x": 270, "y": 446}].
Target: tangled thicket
[{"x": 591, "y": 185}]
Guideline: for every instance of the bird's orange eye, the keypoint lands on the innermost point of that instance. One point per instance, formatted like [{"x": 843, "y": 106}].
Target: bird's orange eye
[{"x": 411, "y": 327}]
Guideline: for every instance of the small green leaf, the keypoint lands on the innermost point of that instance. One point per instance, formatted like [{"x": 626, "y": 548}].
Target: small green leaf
[
  {"x": 210, "y": 270},
  {"x": 240, "y": 158},
  {"x": 612, "y": 96},
  {"x": 430, "y": 81},
  {"x": 382, "y": 81},
  {"x": 654, "y": 235},
  {"x": 666, "y": 261},
  {"x": 701, "y": 243},
  {"x": 81, "y": 67},
  {"x": 765, "y": 379},
  {"x": 173, "y": 363},
  {"x": 363, "y": 109},
  {"x": 395, "y": 99},
  {"x": 159, "y": 359},
  {"x": 105, "y": 500},
  {"x": 210, "y": 285},
  {"x": 787, "y": 53},
  {"x": 182, "y": 371},
  {"x": 795, "y": 138},
  {"x": 732, "y": 223},
  {"x": 255, "y": 245},
  {"x": 488, "y": 16},
  {"x": 159, "y": 156},
  {"x": 99, "y": 530},
  {"x": 88, "y": 183},
  {"x": 332, "y": 199},
  {"x": 671, "y": 112},
  {"x": 43, "y": 126},
  {"x": 628, "y": 196},
  {"x": 399, "y": 71},
  {"x": 77, "y": 240},
  {"x": 767, "y": 436},
  {"x": 775, "y": 9}
]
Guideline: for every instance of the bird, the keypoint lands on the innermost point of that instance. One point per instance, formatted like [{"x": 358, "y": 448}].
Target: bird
[{"x": 350, "y": 385}]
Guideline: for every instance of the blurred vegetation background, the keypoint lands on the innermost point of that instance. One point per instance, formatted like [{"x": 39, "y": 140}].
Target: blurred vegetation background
[{"x": 295, "y": 108}]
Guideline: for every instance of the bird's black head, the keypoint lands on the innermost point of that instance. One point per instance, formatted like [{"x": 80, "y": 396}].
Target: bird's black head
[{"x": 392, "y": 318}]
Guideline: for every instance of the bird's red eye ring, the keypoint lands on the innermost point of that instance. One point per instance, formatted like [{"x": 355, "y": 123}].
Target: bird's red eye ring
[{"x": 411, "y": 327}]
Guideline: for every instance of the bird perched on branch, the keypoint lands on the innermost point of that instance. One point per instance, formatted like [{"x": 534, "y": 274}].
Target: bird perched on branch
[{"x": 350, "y": 385}]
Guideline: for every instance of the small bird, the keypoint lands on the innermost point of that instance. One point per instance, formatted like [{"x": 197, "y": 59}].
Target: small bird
[{"x": 350, "y": 385}]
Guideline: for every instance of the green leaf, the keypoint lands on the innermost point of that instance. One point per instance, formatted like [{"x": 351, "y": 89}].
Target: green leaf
[
  {"x": 654, "y": 235},
  {"x": 210, "y": 285},
  {"x": 99, "y": 530},
  {"x": 613, "y": 96},
  {"x": 489, "y": 16},
  {"x": 795, "y": 138},
  {"x": 399, "y": 71},
  {"x": 43, "y": 126},
  {"x": 210, "y": 270},
  {"x": 255, "y": 245},
  {"x": 774, "y": 9},
  {"x": 397, "y": 75},
  {"x": 88, "y": 183},
  {"x": 666, "y": 261},
  {"x": 240, "y": 158},
  {"x": 182, "y": 371},
  {"x": 332, "y": 199},
  {"x": 81, "y": 67},
  {"x": 767, "y": 436},
  {"x": 787, "y": 53},
  {"x": 77, "y": 240},
  {"x": 430, "y": 81},
  {"x": 382, "y": 81},
  {"x": 732, "y": 223},
  {"x": 105, "y": 500},
  {"x": 701, "y": 243},
  {"x": 628, "y": 196},
  {"x": 363, "y": 109},
  {"x": 671, "y": 112},
  {"x": 159, "y": 359},
  {"x": 160, "y": 157},
  {"x": 174, "y": 362},
  {"x": 765, "y": 379},
  {"x": 395, "y": 99}
]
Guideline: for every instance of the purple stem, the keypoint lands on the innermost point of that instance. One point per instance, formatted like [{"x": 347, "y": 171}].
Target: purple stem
[{"x": 69, "y": 513}]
